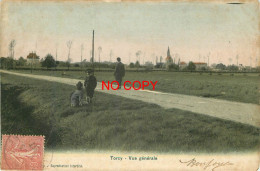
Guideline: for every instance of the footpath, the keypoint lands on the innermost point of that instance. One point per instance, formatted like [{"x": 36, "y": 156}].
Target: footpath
[{"x": 235, "y": 111}]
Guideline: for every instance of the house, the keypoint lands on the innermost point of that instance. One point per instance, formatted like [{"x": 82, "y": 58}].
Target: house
[
  {"x": 32, "y": 58},
  {"x": 182, "y": 65},
  {"x": 240, "y": 67},
  {"x": 200, "y": 65}
]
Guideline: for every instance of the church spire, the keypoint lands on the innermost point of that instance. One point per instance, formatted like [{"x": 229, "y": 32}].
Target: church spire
[{"x": 168, "y": 52}]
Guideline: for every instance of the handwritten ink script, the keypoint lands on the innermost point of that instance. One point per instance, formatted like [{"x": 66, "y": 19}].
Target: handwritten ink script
[{"x": 205, "y": 164}]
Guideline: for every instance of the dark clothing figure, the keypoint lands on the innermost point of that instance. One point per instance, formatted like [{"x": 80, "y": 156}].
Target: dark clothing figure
[
  {"x": 77, "y": 95},
  {"x": 119, "y": 73},
  {"x": 90, "y": 85}
]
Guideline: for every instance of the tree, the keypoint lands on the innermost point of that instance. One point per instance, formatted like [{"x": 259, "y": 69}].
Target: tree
[
  {"x": 221, "y": 66},
  {"x": 191, "y": 66},
  {"x": 111, "y": 54},
  {"x": 203, "y": 69},
  {"x": 232, "y": 68},
  {"x": 68, "y": 63},
  {"x": 2, "y": 62},
  {"x": 69, "y": 43},
  {"x": 174, "y": 67},
  {"x": 138, "y": 53},
  {"x": 48, "y": 61},
  {"x": 230, "y": 60},
  {"x": 82, "y": 48},
  {"x": 7, "y": 63},
  {"x": 237, "y": 57},
  {"x": 137, "y": 64},
  {"x": 21, "y": 61},
  {"x": 11, "y": 51},
  {"x": 99, "y": 51},
  {"x": 131, "y": 65},
  {"x": 11, "y": 48}
]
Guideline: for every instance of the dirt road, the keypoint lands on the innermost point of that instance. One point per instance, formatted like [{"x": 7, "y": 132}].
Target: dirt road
[{"x": 235, "y": 111}]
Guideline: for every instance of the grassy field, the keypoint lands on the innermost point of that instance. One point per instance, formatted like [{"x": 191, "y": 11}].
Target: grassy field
[
  {"x": 237, "y": 87},
  {"x": 113, "y": 123}
]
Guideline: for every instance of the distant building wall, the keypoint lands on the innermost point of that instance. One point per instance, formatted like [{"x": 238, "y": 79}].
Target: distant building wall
[
  {"x": 182, "y": 65},
  {"x": 32, "y": 58},
  {"x": 200, "y": 65}
]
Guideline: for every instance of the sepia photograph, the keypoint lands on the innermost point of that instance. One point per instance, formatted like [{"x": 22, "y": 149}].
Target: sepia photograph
[{"x": 130, "y": 85}]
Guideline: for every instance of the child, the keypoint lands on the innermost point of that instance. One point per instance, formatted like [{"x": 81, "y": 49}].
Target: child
[
  {"x": 90, "y": 85},
  {"x": 77, "y": 95}
]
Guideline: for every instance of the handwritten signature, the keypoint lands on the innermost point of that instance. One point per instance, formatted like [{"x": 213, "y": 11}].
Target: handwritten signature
[{"x": 206, "y": 165}]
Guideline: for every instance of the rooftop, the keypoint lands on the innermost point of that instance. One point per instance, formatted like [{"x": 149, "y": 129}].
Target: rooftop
[{"x": 33, "y": 55}]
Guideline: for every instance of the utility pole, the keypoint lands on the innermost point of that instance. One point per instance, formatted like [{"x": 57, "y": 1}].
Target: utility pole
[
  {"x": 208, "y": 58},
  {"x": 56, "y": 57},
  {"x": 35, "y": 55},
  {"x": 237, "y": 59},
  {"x": 93, "y": 52},
  {"x": 82, "y": 47},
  {"x": 31, "y": 63},
  {"x": 250, "y": 62},
  {"x": 69, "y": 43},
  {"x": 111, "y": 53},
  {"x": 143, "y": 57},
  {"x": 90, "y": 55},
  {"x": 129, "y": 57},
  {"x": 11, "y": 51},
  {"x": 99, "y": 51}
]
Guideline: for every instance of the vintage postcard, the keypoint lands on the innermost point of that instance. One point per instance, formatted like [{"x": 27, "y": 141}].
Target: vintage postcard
[{"x": 130, "y": 85}]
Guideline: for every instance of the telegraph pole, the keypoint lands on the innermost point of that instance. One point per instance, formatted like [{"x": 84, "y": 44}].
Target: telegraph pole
[
  {"x": 93, "y": 52},
  {"x": 208, "y": 58},
  {"x": 111, "y": 53},
  {"x": 31, "y": 64},
  {"x": 56, "y": 58},
  {"x": 81, "y": 56}
]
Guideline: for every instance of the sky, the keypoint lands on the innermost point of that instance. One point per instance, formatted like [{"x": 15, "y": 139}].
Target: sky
[{"x": 194, "y": 31}]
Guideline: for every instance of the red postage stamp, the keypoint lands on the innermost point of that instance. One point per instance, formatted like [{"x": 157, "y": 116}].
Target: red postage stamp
[{"x": 22, "y": 152}]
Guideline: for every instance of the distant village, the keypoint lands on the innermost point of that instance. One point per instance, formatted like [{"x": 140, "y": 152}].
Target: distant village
[{"x": 167, "y": 63}]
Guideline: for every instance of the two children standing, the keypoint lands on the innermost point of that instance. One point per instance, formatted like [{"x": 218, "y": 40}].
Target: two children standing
[{"x": 90, "y": 84}]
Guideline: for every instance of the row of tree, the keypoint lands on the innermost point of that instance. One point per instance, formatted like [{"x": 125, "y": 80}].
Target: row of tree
[{"x": 49, "y": 62}]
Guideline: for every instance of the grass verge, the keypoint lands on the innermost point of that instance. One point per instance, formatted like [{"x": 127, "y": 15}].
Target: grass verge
[{"x": 32, "y": 106}]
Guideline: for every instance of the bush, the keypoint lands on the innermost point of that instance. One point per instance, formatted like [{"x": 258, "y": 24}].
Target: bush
[
  {"x": 131, "y": 65},
  {"x": 232, "y": 68},
  {"x": 7, "y": 63},
  {"x": 203, "y": 69},
  {"x": 21, "y": 61},
  {"x": 221, "y": 66},
  {"x": 49, "y": 61},
  {"x": 191, "y": 66},
  {"x": 137, "y": 64},
  {"x": 174, "y": 67}
]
